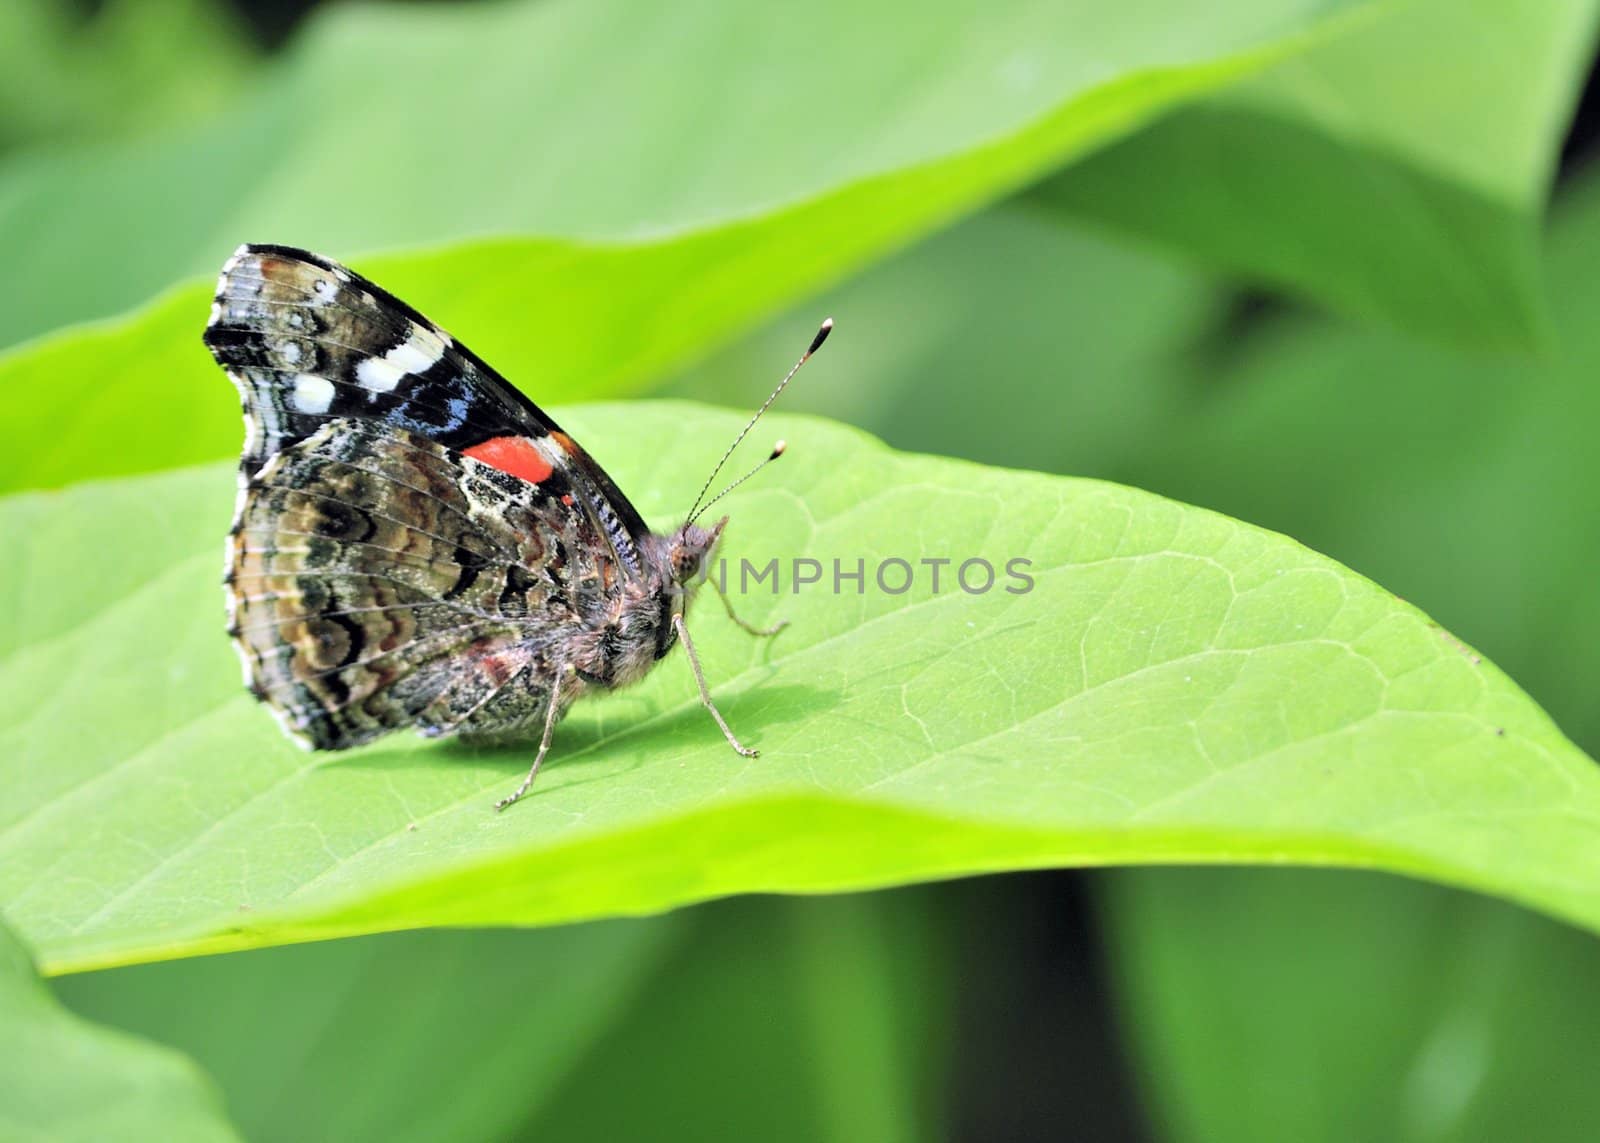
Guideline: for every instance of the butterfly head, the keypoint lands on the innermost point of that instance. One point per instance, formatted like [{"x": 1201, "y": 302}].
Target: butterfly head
[{"x": 690, "y": 549}]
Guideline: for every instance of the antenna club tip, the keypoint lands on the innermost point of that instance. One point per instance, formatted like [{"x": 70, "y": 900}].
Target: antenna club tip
[
  {"x": 822, "y": 335},
  {"x": 777, "y": 450}
]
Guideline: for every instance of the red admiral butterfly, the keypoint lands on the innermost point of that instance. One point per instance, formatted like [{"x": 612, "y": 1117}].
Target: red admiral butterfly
[{"x": 418, "y": 544}]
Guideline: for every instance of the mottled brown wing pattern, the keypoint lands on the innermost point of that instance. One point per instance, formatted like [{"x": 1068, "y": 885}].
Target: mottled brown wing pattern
[{"x": 378, "y": 579}]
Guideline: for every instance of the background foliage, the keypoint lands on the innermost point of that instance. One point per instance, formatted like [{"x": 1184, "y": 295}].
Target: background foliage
[{"x": 1285, "y": 259}]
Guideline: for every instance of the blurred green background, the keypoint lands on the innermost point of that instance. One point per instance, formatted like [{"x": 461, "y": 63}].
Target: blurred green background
[{"x": 1303, "y": 312}]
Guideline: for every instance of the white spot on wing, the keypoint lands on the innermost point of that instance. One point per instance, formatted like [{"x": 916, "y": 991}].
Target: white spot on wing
[
  {"x": 312, "y": 394},
  {"x": 417, "y": 352},
  {"x": 378, "y": 374},
  {"x": 413, "y": 355}
]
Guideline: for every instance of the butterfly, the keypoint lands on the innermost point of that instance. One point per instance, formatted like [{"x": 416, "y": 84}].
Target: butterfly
[{"x": 416, "y": 543}]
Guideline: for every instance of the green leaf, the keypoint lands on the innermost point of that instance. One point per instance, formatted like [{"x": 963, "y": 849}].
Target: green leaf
[
  {"x": 67, "y": 1079},
  {"x": 1008, "y": 339},
  {"x": 1462, "y": 483},
  {"x": 1457, "y": 481},
  {"x": 1396, "y": 173},
  {"x": 1448, "y": 477},
  {"x": 100, "y": 401},
  {"x": 130, "y": 67},
  {"x": 394, "y": 126},
  {"x": 1175, "y": 686},
  {"x": 405, "y": 1037},
  {"x": 787, "y": 1020},
  {"x": 1360, "y": 1008}
]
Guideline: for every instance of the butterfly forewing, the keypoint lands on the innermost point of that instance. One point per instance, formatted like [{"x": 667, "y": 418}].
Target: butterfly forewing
[{"x": 307, "y": 340}]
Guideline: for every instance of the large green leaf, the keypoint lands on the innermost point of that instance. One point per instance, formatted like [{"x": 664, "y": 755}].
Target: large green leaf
[
  {"x": 405, "y": 1037},
  {"x": 66, "y": 1079},
  {"x": 1452, "y": 478},
  {"x": 413, "y": 125},
  {"x": 783, "y": 1019},
  {"x": 1467, "y": 486},
  {"x": 1008, "y": 339},
  {"x": 791, "y": 1021},
  {"x": 1176, "y": 686},
  {"x": 565, "y": 318},
  {"x": 1358, "y": 1008},
  {"x": 1464, "y": 484},
  {"x": 1459, "y": 482},
  {"x": 142, "y": 394},
  {"x": 1399, "y": 172}
]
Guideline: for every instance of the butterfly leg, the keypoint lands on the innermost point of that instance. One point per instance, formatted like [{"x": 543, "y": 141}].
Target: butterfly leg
[
  {"x": 727, "y": 605},
  {"x": 705, "y": 693},
  {"x": 551, "y": 714}
]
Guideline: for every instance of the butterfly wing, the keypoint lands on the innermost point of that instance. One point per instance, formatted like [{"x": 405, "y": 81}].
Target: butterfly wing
[
  {"x": 416, "y": 543},
  {"x": 306, "y": 341},
  {"x": 377, "y": 579}
]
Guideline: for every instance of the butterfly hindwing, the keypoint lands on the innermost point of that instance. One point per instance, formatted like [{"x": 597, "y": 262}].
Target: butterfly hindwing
[{"x": 378, "y": 579}]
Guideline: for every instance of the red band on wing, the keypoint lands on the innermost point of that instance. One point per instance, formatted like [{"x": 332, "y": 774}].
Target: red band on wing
[{"x": 515, "y": 455}]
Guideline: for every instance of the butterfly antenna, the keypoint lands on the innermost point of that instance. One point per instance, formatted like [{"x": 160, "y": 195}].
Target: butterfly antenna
[
  {"x": 816, "y": 344},
  {"x": 777, "y": 451}
]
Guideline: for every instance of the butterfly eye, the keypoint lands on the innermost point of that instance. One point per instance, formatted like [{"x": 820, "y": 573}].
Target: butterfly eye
[{"x": 685, "y": 565}]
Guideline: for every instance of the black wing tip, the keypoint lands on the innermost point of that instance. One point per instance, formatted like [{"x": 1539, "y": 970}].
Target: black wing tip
[
  {"x": 285, "y": 253},
  {"x": 277, "y": 250}
]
